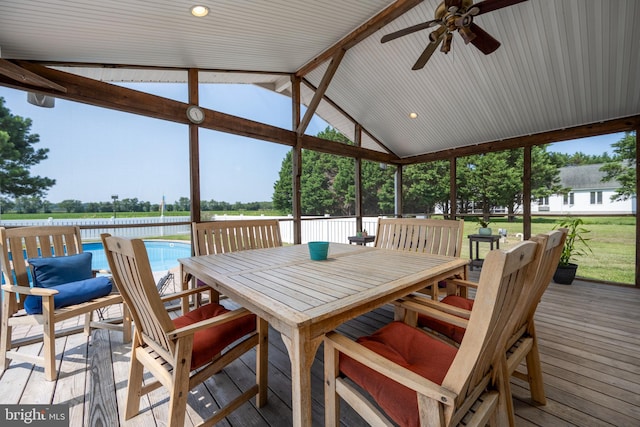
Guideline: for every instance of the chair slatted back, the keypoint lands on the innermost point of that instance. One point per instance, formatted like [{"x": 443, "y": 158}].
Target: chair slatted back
[
  {"x": 501, "y": 282},
  {"x": 435, "y": 236},
  {"x": 131, "y": 270},
  {"x": 214, "y": 237},
  {"x": 551, "y": 248},
  {"x": 19, "y": 244}
]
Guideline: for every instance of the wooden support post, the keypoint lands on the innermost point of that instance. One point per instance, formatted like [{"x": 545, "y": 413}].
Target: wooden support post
[
  {"x": 453, "y": 186},
  {"x": 296, "y": 161},
  {"x": 194, "y": 149},
  {"x": 526, "y": 192},
  {"x": 358, "y": 179},
  {"x": 398, "y": 191}
]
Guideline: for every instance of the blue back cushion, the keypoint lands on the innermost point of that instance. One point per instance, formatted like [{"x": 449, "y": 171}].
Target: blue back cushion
[
  {"x": 54, "y": 271},
  {"x": 71, "y": 293}
]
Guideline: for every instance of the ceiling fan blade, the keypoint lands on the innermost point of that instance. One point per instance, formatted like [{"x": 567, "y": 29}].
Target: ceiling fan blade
[
  {"x": 426, "y": 54},
  {"x": 409, "y": 30},
  {"x": 491, "y": 5},
  {"x": 483, "y": 40}
]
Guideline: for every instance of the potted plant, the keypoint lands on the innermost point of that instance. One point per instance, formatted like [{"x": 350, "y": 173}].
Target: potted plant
[
  {"x": 484, "y": 226},
  {"x": 575, "y": 245}
]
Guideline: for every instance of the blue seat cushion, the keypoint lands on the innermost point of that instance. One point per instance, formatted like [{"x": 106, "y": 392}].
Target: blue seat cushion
[
  {"x": 71, "y": 293},
  {"x": 54, "y": 271}
]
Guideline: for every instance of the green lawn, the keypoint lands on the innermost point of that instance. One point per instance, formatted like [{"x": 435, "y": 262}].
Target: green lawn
[{"x": 612, "y": 240}]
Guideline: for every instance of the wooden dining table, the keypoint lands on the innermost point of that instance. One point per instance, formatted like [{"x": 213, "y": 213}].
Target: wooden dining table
[{"x": 303, "y": 299}]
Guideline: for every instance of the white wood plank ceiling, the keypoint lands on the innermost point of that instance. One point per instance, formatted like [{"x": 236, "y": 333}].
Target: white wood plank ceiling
[{"x": 562, "y": 63}]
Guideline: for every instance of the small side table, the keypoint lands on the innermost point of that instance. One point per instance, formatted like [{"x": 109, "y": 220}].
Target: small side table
[
  {"x": 361, "y": 240},
  {"x": 477, "y": 238}
]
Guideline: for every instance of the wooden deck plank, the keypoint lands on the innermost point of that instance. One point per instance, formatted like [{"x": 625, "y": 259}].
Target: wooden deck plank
[{"x": 588, "y": 345}]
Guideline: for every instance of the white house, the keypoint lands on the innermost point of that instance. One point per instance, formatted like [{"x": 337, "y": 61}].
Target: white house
[{"x": 588, "y": 195}]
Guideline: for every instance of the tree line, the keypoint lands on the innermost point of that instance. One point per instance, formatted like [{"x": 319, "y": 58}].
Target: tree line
[
  {"x": 485, "y": 182},
  {"x": 35, "y": 204}
]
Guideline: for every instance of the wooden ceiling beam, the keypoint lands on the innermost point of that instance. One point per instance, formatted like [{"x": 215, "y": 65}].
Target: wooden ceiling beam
[
  {"x": 624, "y": 124},
  {"x": 398, "y": 8},
  {"x": 106, "y": 95},
  {"x": 319, "y": 93},
  {"x": 17, "y": 73}
]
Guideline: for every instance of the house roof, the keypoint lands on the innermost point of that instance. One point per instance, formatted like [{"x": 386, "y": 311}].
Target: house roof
[
  {"x": 561, "y": 64},
  {"x": 585, "y": 177}
]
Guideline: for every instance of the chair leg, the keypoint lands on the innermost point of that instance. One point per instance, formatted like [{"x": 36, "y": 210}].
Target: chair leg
[
  {"x": 88, "y": 318},
  {"x": 7, "y": 330},
  {"x": 262, "y": 362},
  {"x": 331, "y": 399},
  {"x": 49, "y": 339},
  {"x": 534, "y": 374},
  {"x": 505, "y": 414},
  {"x": 126, "y": 324},
  {"x": 180, "y": 392},
  {"x": 134, "y": 386}
]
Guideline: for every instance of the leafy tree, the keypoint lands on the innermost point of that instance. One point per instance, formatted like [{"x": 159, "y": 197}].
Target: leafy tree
[
  {"x": 327, "y": 183},
  {"x": 183, "y": 204},
  {"x": 623, "y": 167},
  {"x": 17, "y": 156},
  {"x": 71, "y": 205},
  {"x": 426, "y": 186},
  {"x": 28, "y": 204}
]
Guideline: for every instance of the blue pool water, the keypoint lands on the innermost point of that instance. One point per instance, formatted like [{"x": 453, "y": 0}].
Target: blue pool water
[{"x": 163, "y": 255}]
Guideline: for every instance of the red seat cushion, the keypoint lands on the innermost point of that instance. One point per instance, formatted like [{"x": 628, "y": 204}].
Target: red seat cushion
[
  {"x": 448, "y": 330},
  {"x": 207, "y": 343},
  {"x": 407, "y": 347}
]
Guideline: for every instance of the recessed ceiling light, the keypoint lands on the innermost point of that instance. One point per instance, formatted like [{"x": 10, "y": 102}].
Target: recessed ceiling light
[
  {"x": 413, "y": 115},
  {"x": 199, "y": 11}
]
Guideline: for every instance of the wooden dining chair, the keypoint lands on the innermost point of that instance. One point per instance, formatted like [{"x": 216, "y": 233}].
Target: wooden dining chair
[
  {"x": 417, "y": 379},
  {"x": 448, "y": 317},
  {"x": 218, "y": 237},
  {"x": 48, "y": 280},
  {"x": 184, "y": 351},
  {"x": 434, "y": 236},
  {"x": 215, "y": 237}
]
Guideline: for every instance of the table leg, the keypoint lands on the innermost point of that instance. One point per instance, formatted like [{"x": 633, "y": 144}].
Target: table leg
[{"x": 302, "y": 352}]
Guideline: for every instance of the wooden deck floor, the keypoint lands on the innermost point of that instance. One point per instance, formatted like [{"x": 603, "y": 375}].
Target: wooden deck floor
[{"x": 589, "y": 345}]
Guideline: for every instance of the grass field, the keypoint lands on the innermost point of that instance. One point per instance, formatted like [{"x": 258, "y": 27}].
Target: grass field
[{"x": 612, "y": 239}]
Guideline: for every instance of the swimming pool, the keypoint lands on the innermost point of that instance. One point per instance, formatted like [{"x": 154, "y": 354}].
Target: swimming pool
[{"x": 163, "y": 255}]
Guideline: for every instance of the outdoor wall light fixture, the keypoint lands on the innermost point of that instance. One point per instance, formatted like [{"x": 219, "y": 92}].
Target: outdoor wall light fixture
[
  {"x": 199, "y": 11},
  {"x": 413, "y": 115}
]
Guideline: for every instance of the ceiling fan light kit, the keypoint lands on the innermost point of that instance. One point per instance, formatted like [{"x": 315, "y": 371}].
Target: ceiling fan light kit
[{"x": 452, "y": 16}]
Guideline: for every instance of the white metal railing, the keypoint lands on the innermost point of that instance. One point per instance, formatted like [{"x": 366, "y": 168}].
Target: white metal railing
[{"x": 313, "y": 228}]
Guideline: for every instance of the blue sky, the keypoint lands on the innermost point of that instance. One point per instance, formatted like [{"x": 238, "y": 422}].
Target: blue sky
[{"x": 95, "y": 152}]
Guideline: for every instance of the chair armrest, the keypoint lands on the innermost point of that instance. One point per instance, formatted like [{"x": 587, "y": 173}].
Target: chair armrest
[
  {"x": 26, "y": 290},
  {"x": 389, "y": 369},
  {"x": 462, "y": 282},
  {"x": 427, "y": 304},
  {"x": 182, "y": 294},
  {"x": 208, "y": 323},
  {"x": 437, "y": 310}
]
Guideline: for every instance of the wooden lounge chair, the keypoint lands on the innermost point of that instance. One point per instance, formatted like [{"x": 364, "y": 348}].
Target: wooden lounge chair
[
  {"x": 183, "y": 352},
  {"x": 522, "y": 344},
  {"x": 434, "y": 236},
  {"x": 66, "y": 288},
  {"x": 417, "y": 379}
]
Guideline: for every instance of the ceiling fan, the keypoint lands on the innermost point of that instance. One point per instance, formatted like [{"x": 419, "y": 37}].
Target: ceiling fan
[{"x": 451, "y": 16}]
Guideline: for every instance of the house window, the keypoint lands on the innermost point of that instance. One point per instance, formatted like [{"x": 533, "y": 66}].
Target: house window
[
  {"x": 568, "y": 199},
  {"x": 543, "y": 201},
  {"x": 596, "y": 197}
]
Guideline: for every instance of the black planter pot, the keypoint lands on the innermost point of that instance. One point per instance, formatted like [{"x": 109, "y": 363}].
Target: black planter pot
[{"x": 565, "y": 274}]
